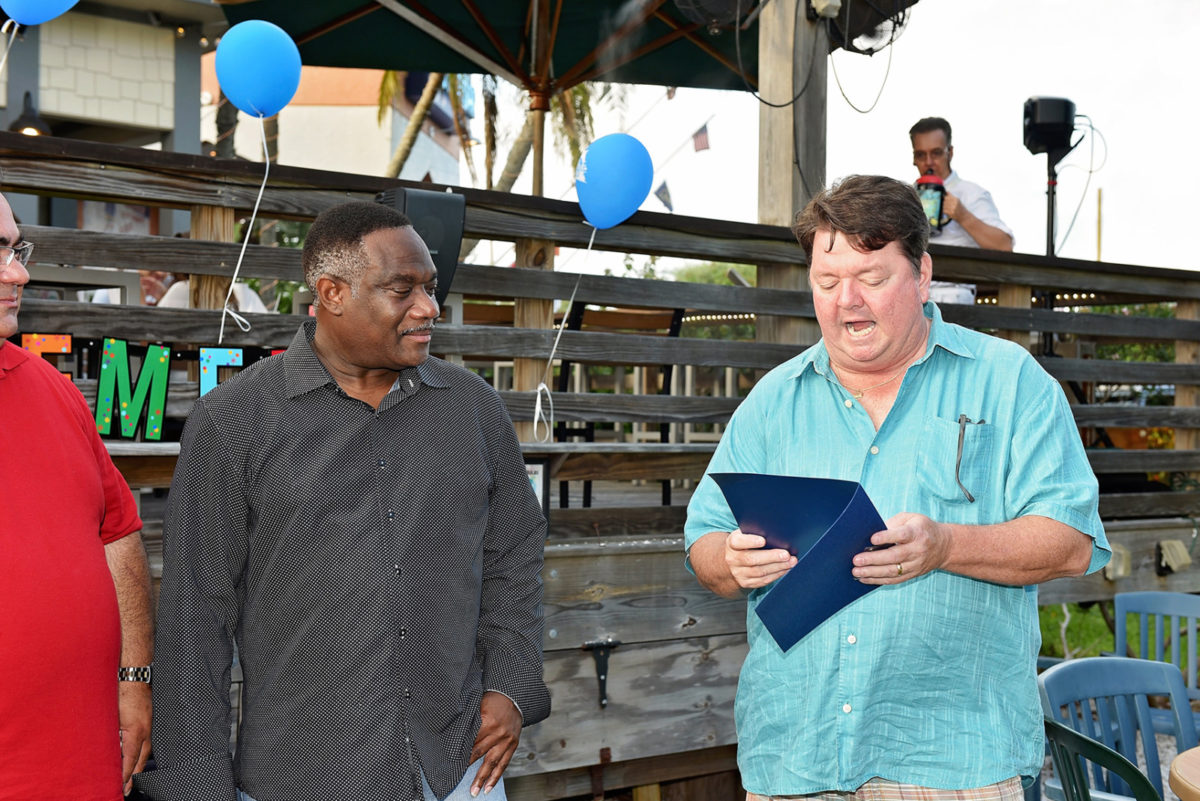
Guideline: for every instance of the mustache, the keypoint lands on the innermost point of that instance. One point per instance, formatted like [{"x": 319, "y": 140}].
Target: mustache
[{"x": 426, "y": 327}]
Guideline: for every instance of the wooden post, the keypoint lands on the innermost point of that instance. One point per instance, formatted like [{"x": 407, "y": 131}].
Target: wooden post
[
  {"x": 532, "y": 313},
  {"x": 647, "y": 792},
  {"x": 787, "y": 177},
  {"x": 213, "y": 223},
  {"x": 1187, "y": 394},
  {"x": 1014, "y": 296}
]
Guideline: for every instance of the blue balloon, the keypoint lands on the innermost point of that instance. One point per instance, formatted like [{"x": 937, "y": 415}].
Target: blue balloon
[
  {"x": 258, "y": 67},
  {"x": 612, "y": 179},
  {"x": 35, "y": 12}
]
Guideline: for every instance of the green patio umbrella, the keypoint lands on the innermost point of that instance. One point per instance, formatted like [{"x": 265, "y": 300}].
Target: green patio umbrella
[
  {"x": 627, "y": 41},
  {"x": 542, "y": 46},
  {"x": 545, "y": 46}
]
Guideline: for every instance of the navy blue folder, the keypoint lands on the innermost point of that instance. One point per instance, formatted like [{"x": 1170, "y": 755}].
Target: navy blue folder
[{"x": 823, "y": 522}]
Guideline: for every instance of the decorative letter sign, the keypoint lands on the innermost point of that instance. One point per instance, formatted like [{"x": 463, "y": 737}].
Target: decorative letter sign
[
  {"x": 151, "y": 388},
  {"x": 211, "y": 359}
]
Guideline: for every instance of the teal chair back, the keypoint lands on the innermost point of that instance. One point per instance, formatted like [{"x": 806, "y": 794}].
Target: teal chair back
[
  {"x": 1166, "y": 630},
  {"x": 1071, "y": 753},
  {"x": 1106, "y": 698}
]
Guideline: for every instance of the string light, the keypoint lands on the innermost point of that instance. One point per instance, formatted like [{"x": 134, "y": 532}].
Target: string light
[{"x": 717, "y": 318}]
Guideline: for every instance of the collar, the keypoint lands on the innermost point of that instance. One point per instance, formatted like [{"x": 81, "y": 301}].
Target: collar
[
  {"x": 304, "y": 372},
  {"x": 941, "y": 335},
  {"x": 11, "y": 357}
]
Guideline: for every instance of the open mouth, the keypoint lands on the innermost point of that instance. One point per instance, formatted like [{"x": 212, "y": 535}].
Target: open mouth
[{"x": 858, "y": 328}]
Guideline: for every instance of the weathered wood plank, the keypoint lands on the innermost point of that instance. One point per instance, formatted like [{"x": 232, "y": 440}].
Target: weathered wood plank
[
  {"x": 1139, "y": 537},
  {"x": 154, "y": 324},
  {"x": 644, "y": 232},
  {"x": 1149, "y": 505},
  {"x": 622, "y": 467},
  {"x": 663, "y": 698},
  {"x": 635, "y": 590},
  {"x": 1111, "y": 460},
  {"x": 145, "y": 185},
  {"x": 125, "y": 251},
  {"x": 616, "y": 521},
  {"x": 620, "y": 775},
  {"x": 601, "y": 348},
  {"x": 509, "y": 282},
  {"x": 1136, "y": 416},
  {"x": 276, "y": 331},
  {"x": 1105, "y": 371},
  {"x": 1089, "y": 325},
  {"x": 605, "y": 408},
  {"x": 965, "y": 264},
  {"x": 146, "y": 471}
]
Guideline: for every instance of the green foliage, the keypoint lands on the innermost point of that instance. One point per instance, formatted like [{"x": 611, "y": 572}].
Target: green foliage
[
  {"x": 389, "y": 87},
  {"x": 1087, "y": 633},
  {"x": 716, "y": 272},
  {"x": 1137, "y": 351},
  {"x": 647, "y": 269},
  {"x": 278, "y": 295}
]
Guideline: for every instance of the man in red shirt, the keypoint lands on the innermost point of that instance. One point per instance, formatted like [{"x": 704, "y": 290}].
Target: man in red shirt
[{"x": 76, "y": 627}]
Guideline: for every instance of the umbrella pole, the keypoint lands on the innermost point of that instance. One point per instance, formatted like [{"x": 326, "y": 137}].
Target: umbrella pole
[{"x": 539, "y": 103}]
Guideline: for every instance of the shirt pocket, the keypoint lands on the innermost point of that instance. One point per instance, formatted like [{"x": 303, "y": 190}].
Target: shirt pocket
[{"x": 944, "y": 475}]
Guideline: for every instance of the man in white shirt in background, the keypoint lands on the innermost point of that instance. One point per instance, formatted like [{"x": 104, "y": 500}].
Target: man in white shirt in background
[{"x": 974, "y": 221}]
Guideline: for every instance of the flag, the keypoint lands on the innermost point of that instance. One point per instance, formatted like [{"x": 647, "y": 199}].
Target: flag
[
  {"x": 664, "y": 194},
  {"x": 700, "y": 138}
]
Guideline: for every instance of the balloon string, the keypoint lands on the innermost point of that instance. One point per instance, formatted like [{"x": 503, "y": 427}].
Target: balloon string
[
  {"x": 242, "y": 323},
  {"x": 9, "y": 24},
  {"x": 539, "y": 416}
]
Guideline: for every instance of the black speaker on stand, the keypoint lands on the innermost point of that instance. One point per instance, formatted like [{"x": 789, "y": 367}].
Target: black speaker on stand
[
  {"x": 1049, "y": 123},
  {"x": 438, "y": 219}
]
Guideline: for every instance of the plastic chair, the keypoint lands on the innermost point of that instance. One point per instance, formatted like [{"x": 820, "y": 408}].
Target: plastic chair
[
  {"x": 1106, "y": 698},
  {"x": 1167, "y": 632},
  {"x": 1069, "y": 749}
]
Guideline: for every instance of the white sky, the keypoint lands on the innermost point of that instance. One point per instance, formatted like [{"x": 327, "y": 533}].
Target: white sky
[{"x": 1131, "y": 67}]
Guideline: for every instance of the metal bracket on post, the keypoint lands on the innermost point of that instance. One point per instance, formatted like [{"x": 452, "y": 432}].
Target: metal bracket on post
[{"x": 600, "y": 650}]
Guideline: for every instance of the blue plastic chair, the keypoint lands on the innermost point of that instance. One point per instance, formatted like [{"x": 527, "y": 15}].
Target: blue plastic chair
[
  {"x": 1069, "y": 749},
  {"x": 1106, "y": 698},
  {"x": 1167, "y": 632}
]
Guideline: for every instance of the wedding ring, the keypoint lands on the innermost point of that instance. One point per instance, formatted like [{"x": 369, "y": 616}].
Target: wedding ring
[{"x": 899, "y": 568}]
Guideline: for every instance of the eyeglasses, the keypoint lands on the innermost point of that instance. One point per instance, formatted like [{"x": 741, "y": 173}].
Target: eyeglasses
[
  {"x": 20, "y": 252},
  {"x": 963, "y": 422}
]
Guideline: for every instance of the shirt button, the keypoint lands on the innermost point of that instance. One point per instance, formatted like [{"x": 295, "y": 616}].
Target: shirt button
[
  {"x": 391, "y": 515},
  {"x": 849, "y": 403},
  {"x": 846, "y": 708},
  {"x": 396, "y": 568},
  {"x": 852, "y": 639},
  {"x": 874, "y": 449},
  {"x": 407, "y": 693},
  {"x": 403, "y": 633},
  {"x": 383, "y": 463}
]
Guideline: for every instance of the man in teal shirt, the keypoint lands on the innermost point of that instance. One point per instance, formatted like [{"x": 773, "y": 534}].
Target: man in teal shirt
[{"x": 969, "y": 451}]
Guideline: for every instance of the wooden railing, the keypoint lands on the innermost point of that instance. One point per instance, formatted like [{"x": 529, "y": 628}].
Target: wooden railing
[{"x": 615, "y": 572}]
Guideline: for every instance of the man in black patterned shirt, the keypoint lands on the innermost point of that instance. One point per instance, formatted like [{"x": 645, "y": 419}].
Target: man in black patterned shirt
[{"x": 357, "y": 516}]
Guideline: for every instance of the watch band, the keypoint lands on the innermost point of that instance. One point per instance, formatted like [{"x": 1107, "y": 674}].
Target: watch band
[{"x": 143, "y": 674}]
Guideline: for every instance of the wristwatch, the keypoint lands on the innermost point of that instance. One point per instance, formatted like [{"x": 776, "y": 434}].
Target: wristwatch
[{"x": 142, "y": 674}]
